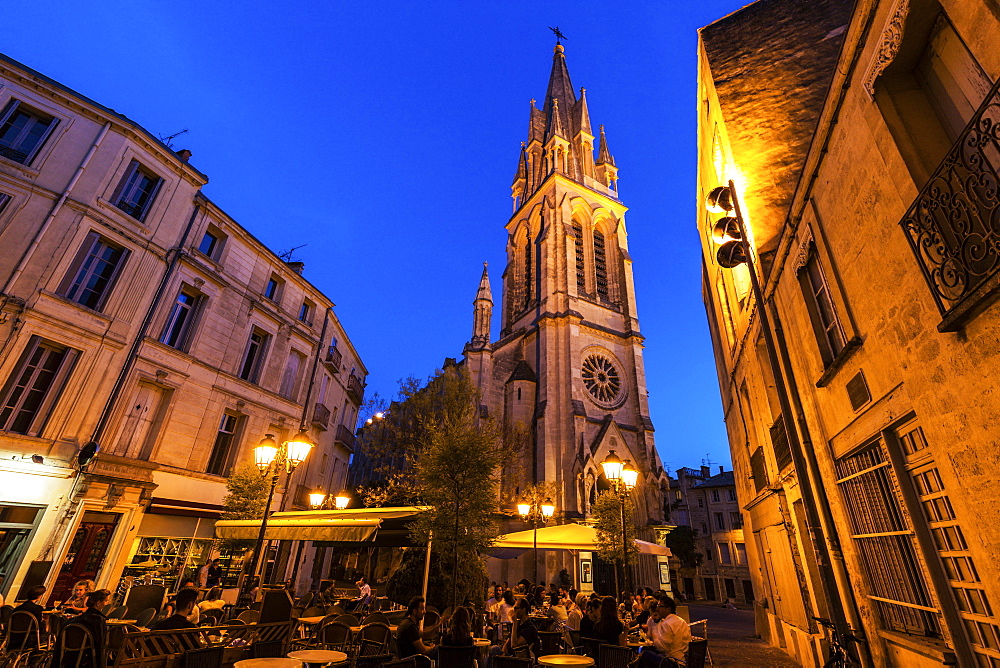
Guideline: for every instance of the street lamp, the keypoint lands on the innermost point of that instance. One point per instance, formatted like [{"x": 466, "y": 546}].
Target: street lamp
[
  {"x": 537, "y": 514},
  {"x": 272, "y": 458},
  {"x": 623, "y": 478},
  {"x": 318, "y": 500}
]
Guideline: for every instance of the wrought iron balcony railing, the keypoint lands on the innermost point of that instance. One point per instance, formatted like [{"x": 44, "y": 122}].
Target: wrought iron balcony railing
[
  {"x": 953, "y": 226},
  {"x": 355, "y": 388},
  {"x": 333, "y": 357},
  {"x": 321, "y": 416},
  {"x": 345, "y": 437}
]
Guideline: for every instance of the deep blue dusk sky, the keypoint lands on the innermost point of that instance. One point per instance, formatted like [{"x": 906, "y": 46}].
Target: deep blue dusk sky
[{"x": 385, "y": 136}]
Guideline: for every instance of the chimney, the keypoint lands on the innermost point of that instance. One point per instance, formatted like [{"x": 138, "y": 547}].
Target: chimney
[
  {"x": 706, "y": 472},
  {"x": 722, "y": 469},
  {"x": 297, "y": 267},
  {"x": 184, "y": 155}
]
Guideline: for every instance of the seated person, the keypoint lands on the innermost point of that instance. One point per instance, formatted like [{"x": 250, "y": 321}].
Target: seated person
[
  {"x": 365, "y": 592},
  {"x": 592, "y": 616},
  {"x": 408, "y": 632},
  {"x": 647, "y": 609},
  {"x": 183, "y": 605},
  {"x": 460, "y": 630},
  {"x": 505, "y": 611},
  {"x": 78, "y": 601},
  {"x": 670, "y": 635},
  {"x": 557, "y": 611},
  {"x": 576, "y": 612},
  {"x": 31, "y": 606},
  {"x": 523, "y": 632},
  {"x": 494, "y": 602},
  {"x": 213, "y": 600},
  {"x": 609, "y": 628},
  {"x": 94, "y": 621}
]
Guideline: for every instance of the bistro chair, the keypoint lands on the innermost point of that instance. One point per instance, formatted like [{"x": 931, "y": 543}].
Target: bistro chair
[
  {"x": 249, "y": 616},
  {"x": 592, "y": 647},
  {"x": 615, "y": 656},
  {"x": 145, "y": 617},
  {"x": 22, "y": 632},
  {"x": 118, "y": 613},
  {"x": 348, "y": 619},
  {"x": 5, "y": 613},
  {"x": 267, "y": 649},
  {"x": 511, "y": 662},
  {"x": 76, "y": 647},
  {"x": 335, "y": 609},
  {"x": 375, "y": 661},
  {"x": 697, "y": 651},
  {"x": 550, "y": 642},
  {"x": 334, "y": 636},
  {"x": 377, "y": 632},
  {"x": 375, "y": 617},
  {"x": 208, "y": 657},
  {"x": 314, "y": 611},
  {"x": 457, "y": 657},
  {"x": 304, "y": 602}
]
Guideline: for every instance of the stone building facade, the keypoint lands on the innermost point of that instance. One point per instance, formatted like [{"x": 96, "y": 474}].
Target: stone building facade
[
  {"x": 708, "y": 504},
  {"x": 862, "y": 140},
  {"x": 567, "y": 369},
  {"x": 136, "y": 314}
]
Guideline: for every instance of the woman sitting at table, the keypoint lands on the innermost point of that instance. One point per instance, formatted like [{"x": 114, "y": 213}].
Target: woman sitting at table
[
  {"x": 78, "y": 601},
  {"x": 557, "y": 611},
  {"x": 576, "y": 612},
  {"x": 460, "y": 631},
  {"x": 590, "y": 618},
  {"x": 609, "y": 627},
  {"x": 213, "y": 600},
  {"x": 94, "y": 621}
]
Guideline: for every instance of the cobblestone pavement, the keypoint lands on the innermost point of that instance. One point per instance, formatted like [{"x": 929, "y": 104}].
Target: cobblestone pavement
[{"x": 731, "y": 640}]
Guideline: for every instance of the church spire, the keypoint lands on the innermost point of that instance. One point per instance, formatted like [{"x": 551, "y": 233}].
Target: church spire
[
  {"x": 482, "y": 312},
  {"x": 607, "y": 171},
  {"x": 560, "y": 89},
  {"x": 604, "y": 156}
]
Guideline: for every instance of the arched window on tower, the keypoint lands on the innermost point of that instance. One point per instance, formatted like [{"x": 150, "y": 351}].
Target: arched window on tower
[
  {"x": 600, "y": 265},
  {"x": 581, "y": 267},
  {"x": 527, "y": 271}
]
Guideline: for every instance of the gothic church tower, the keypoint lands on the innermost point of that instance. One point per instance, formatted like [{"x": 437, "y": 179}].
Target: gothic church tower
[{"x": 568, "y": 366}]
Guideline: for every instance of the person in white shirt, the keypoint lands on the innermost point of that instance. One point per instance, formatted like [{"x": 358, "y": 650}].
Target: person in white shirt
[
  {"x": 670, "y": 635},
  {"x": 365, "y": 592},
  {"x": 494, "y": 602}
]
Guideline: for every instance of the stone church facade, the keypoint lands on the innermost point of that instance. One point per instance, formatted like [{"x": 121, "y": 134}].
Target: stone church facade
[{"x": 567, "y": 370}]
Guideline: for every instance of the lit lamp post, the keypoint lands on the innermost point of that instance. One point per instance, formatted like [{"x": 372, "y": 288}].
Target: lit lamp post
[
  {"x": 272, "y": 458},
  {"x": 623, "y": 478},
  {"x": 538, "y": 514},
  {"x": 318, "y": 499}
]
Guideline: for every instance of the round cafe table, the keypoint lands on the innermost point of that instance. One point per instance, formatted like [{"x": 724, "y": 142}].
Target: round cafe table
[
  {"x": 268, "y": 663},
  {"x": 565, "y": 660},
  {"x": 318, "y": 657},
  {"x": 481, "y": 642}
]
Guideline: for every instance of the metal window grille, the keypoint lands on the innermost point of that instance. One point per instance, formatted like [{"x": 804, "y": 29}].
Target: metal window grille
[
  {"x": 885, "y": 543},
  {"x": 951, "y": 224}
]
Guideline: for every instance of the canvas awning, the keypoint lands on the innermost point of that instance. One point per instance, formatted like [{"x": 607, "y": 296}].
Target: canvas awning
[
  {"x": 343, "y": 526},
  {"x": 561, "y": 537}
]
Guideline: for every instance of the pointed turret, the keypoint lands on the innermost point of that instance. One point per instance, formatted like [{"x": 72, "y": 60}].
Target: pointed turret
[
  {"x": 482, "y": 312},
  {"x": 555, "y": 127},
  {"x": 606, "y": 170},
  {"x": 583, "y": 140},
  {"x": 560, "y": 88},
  {"x": 583, "y": 114}
]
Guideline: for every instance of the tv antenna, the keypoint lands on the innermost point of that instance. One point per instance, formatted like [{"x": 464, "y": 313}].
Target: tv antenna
[
  {"x": 169, "y": 140},
  {"x": 287, "y": 255}
]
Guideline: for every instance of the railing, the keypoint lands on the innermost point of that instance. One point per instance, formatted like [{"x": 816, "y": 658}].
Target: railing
[
  {"x": 13, "y": 154},
  {"x": 345, "y": 437},
  {"x": 355, "y": 388},
  {"x": 952, "y": 225},
  {"x": 134, "y": 210},
  {"x": 333, "y": 357},
  {"x": 321, "y": 416}
]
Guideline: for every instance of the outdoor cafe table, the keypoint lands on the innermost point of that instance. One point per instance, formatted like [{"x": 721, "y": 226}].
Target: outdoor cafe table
[
  {"x": 357, "y": 629},
  {"x": 311, "y": 620},
  {"x": 268, "y": 663},
  {"x": 318, "y": 657},
  {"x": 565, "y": 660},
  {"x": 119, "y": 622}
]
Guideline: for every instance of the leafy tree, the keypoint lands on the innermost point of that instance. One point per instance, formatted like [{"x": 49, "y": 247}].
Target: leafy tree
[
  {"x": 681, "y": 541},
  {"x": 607, "y": 513},
  {"x": 246, "y": 495}
]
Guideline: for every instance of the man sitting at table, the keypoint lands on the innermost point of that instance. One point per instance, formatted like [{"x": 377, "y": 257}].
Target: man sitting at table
[
  {"x": 94, "y": 621},
  {"x": 30, "y": 606},
  {"x": 183, "y": 607},
  {"x": 408, "y": 633},
  {"x": 670, "y": 635},
  {"x": 365, "y": 591},
  {"x": 523, "y": 632}
]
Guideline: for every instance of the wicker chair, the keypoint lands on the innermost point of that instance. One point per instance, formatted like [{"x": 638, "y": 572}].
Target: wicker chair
[
  {"x": 375, "y": 617},
  {"x": 249, "y": 616},
  {"x": 592, "y": 647},
  {"x": 118, "y": 613},
  {"x": 334, "y": 636},
  {"x": 268, "y": 649},
  {"x": 209, "y": 657},
  {"x": 457, "y": 657},
  {"x": 348, "y": 619},
  {"x": 146, "y": 616},
  {"x": 377, "y": 632},
  {"x": 550, "y": 642},
  {"x": 22, "y": 632},
  {"x": 615, "y": 656},
  {"x": 77, "y": 647},
  {"x": 697, "y": 651}
]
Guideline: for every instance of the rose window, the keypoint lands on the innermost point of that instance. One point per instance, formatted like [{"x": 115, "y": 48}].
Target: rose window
[{"x": 601, "y": 379}]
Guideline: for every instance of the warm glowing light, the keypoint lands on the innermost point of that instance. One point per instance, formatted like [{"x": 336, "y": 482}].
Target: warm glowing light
[
  {"x": 379, "y": 415},
  {"x": 341, "y": 501},
  {"x": 719, "y": 200},
  {"x": 629, "y": 476},
  {"x": 298, "y": 449},
  {"x": 265, "y": 452},
  {"x": 524, "y": 509},
  {"x": 612, "y": 465},
  {"x": 548, "y": 509},
  {"x": 317, "y": 498},
  {"x": 726, "y": 229}
]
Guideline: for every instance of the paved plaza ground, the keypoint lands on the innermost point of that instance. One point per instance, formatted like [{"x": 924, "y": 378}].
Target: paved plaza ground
[{"x": 731, "y": 639}]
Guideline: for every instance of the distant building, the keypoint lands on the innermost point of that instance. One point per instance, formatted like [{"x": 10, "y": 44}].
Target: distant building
[
  {"x": 862, "y": 140},
  {"x": 708, "y": 505},
  {"x": 137, "y": 314}
]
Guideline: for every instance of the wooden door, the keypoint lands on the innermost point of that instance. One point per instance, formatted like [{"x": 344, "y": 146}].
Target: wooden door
[{"x": 85, "y": 556}]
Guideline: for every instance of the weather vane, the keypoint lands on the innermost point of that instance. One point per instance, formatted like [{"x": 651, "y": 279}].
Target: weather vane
[{"x": 558, "y": 33}]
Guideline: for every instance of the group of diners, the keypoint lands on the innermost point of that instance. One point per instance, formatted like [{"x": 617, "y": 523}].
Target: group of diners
[{"x": 650, "y": 614}]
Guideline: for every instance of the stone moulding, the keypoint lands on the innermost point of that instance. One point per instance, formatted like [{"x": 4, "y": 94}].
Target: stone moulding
[{"x": 892, "y": 38}]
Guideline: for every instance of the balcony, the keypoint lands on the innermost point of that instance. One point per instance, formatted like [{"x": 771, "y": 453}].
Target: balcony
[
  {"x": 951, "y": 226},
  {"x": 355, "y": 389},
  {"x": 345, "y": 437},
  {"x": 333, "y": 358},
  {"x": 321, "y": 416}
]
